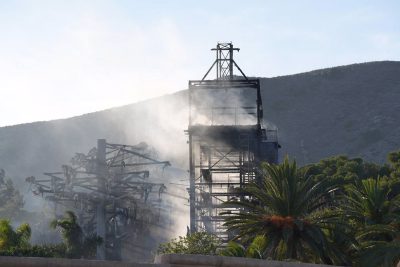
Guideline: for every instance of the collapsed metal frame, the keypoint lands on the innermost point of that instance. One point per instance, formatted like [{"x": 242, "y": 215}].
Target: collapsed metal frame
[
  {"x": 110, "y": 189},
  {"x": 225, "y": 157}
]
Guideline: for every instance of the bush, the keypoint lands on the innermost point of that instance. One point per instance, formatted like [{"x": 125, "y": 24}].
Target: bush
[
  {"x": 46, "y": 251},
  {"x": 196, "y": 243}
]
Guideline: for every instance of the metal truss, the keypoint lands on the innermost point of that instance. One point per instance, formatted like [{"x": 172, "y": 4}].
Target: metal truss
[
  {"x": 112, "y": 190},
  {"x": 224, "y": 62},
  {"x": 224, "y": 154}
]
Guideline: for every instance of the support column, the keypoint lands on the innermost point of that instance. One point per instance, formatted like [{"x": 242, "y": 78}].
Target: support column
[
  {"x": 101, "y": 170},
  {"x": 192, "y": 189}
]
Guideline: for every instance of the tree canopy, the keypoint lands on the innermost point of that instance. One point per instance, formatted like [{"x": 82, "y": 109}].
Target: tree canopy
[
  {"x": 291, "y": 211},
  {"x": 337, "y": 211},
  {"x": 78, "y": 244}
]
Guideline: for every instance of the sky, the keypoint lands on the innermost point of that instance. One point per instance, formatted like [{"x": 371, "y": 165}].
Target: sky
[{"x": 65, "y": 58}]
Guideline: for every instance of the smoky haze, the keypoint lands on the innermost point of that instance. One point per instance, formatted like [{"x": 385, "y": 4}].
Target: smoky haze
[
  {"x": 224, "y": 107},
  {"x": 352, "y": 110},
  {"x": 45, "y": 146}
]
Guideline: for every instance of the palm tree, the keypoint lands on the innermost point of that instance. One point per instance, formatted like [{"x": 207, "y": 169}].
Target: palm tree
[
  {"x": 72, "y": 233},
  {"x": 376, "y": 217},
  {"x": 385, "y": 254},
  {"x": 10, "y": 238},
  {"x": 368, "y": 203},
  {"x": 77, "y": 244},
  {"x": 292, "y": 212},
  {"x": 254, "y": 250}
]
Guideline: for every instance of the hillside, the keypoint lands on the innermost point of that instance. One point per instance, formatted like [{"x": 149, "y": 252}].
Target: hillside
[{"x": 352, "y": 110}]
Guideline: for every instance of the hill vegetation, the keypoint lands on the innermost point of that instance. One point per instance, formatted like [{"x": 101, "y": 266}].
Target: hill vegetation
[{"x": 339, "y": 211}]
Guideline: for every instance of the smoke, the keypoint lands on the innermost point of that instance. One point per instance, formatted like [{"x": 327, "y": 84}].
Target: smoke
[
  {"x": 224, "y": 106},
  {"x": 160, "y": 122},
  {"x": 44, "y": 147}
]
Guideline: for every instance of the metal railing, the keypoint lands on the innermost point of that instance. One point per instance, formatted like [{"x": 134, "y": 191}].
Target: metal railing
[{"x": 228, "y": 116}]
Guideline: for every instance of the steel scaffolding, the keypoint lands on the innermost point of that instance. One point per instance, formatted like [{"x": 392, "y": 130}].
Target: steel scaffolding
[
  {"x": 111, "y": 190},
  {"x": 227, "y": 141}
]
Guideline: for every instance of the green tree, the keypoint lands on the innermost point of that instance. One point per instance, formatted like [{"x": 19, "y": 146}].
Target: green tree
[
  {"x": 16, "y": 243},
  {"x": 293, "y": 213},
  {"x": 394, "y": 181},
  {"x": 77, "y": 243},
  {"x": 394, "y": 159},
  {"x": 382, "y": 254},
  {"x": 11, "y": 239},
  {"x": 368, "y": 203},
  {"x": 375, "y": 218},
  {"x": 195, "y": 243},
  {"x": 344, "y": 171}
]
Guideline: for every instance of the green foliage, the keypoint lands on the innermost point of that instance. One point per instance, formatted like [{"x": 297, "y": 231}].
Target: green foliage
[
  {"x": 394, "y": 159},
  {"x": 16, "y": 243},
  {"x": 10, "y": 238},
  {"x": 76, "y": 242},
  {"x": 385, "y": 254},
  {"x": 374, "y": 216},
  {"x": 196, "y": 243},
  {"x": 369, "y": 198},
  {"x": 255, "y": 250},
  {"x": 48, "y": 251},
  {"x": 234, "y": 249},
  {"x": 343, "y": 170},
  {"x": 338, "y": 211},
  {"x": 368, "y": 203},
  {"x": 292, "y": 211}
]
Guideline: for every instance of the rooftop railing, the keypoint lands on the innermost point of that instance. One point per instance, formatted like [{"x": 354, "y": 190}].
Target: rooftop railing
[{"x": 226, "y": 116}]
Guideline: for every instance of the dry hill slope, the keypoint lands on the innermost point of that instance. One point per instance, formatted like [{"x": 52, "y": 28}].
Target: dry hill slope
[{"x": 353, "y": 110}]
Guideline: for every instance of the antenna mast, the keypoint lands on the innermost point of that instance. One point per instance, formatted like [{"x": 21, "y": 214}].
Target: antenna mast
[{"x": 224, "y": 62}]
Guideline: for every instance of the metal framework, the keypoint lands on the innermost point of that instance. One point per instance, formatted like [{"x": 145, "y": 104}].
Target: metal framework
[
  {"x": 111, "y": 191},
  {"x": 227, "y": 141}
]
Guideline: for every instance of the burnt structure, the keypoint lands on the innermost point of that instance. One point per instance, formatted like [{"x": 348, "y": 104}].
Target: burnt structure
[
  {"x": 113, "y": 193},
  {"x": 227, "y": 140}
]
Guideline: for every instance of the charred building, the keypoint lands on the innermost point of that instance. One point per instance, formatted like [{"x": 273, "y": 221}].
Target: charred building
[
  {"x": 227, "y": 140},
  {"x": 117, "y": 192}
]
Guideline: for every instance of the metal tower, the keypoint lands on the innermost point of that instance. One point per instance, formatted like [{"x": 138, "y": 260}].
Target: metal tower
[
  {"x": 112, "y": 192},
  {"x": 227, "y": 140}
]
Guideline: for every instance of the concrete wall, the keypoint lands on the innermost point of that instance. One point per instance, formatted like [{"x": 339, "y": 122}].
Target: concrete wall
[
  {"x": 177, "y": 260},
  {"x": 53, "y": 262},
  {"x": 169, "y": 260}
]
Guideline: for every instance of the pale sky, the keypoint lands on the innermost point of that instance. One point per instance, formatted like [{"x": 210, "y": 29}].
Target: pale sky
[{"x": 64, "y": 58}]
